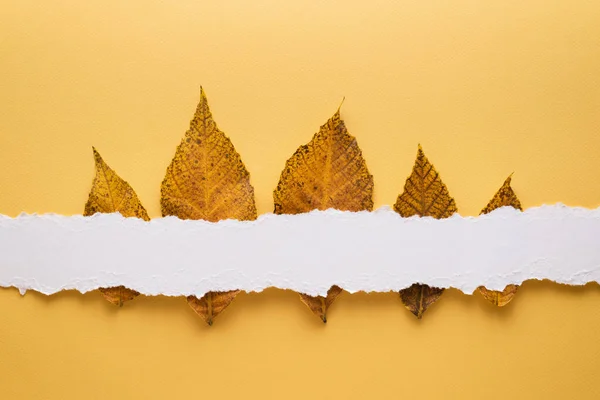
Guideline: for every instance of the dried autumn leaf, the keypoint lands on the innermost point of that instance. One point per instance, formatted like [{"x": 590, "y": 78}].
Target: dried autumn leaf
[
  {"x": 211, "y": 304},
  {"x": 424, "y": 195},
  {"x": 111, "y": 194},
  {"x": 207, "y": 180},
  {"x": 505, "y": 196},
  {"x": 328, "y": 172},
  {"x": 319, "y": 304},
  {"x": 418, "y": 298}
]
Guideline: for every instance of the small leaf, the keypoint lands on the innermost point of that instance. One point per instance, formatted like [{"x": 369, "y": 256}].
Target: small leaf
[
  {"x": 418, "y": 298},
  {"x": 118, "y": 295},
  {"x": 319, "y": 304},
  {"x": 424, "y": 195},
  {"x": 111, "y": 194},
  {"x": 211, "y": 304},
  {"x": 207, "y": 180},
  {"x": 505, "y": 196},
  {"x": 328, "y": 172},
  {"x": 498, "y": 298}
]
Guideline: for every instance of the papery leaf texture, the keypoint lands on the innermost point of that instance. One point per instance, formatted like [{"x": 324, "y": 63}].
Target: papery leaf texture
[
  {"x": 207, "y": 180},
  {"x": 111, "y": 194},
  {"x": 320, "y": 304},
  {"x": 424, "y": 195},
  {"x": 327, "y": 172},
  {"x": 505, "y": 196},
  {"x": 211, "y": 304}
]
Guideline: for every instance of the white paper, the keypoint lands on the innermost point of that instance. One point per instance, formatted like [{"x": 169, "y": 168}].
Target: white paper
[{"x": 308, "y": 253}]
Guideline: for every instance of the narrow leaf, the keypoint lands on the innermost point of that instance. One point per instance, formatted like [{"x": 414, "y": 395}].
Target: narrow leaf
[
  {"x": 111, "y": 194},
  {"x": 424, "y": 195},
  {"x": 207, "y": 180},
  {"x": 328, "y": 172},
  {"x": 505, "y": 196}
]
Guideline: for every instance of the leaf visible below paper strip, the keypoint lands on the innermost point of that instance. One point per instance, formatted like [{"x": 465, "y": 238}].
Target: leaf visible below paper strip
[
  {"x": 418, "y": 298},
  {"x": 207, "y": 180},
  {"x": 328, "y": 172},
  {"x": 111, "y": 194},
  {"x": 319, "y": 304},
  {"x": 424, "y": 195},
  {"x": 505, "y": 196},
  {"x": 499, "y": 298},
  {"x": 118, "y": 295},
  {"x": 211, "y": 304}
]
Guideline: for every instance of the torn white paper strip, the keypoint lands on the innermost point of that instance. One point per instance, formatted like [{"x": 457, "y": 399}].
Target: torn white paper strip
[{"x": 368, "y": 251}]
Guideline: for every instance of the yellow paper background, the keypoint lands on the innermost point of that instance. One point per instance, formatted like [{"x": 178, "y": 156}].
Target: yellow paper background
[{"x": 487, "y": 88}]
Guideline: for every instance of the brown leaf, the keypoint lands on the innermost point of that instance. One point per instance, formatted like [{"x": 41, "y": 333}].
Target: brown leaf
[
  {"x": 207, "y": 180},
  {"x": 505, "y": 196},
  {"x": 211, "y": 304},
  {"x": 111, "y": 194},
  {"x": 328, "y": 172},
  {"x": 319, "y": 304},
  {"x": 424, "y": 195},
  {"x": 118, "y": 295},
  {"x": 418, "y": 298}
]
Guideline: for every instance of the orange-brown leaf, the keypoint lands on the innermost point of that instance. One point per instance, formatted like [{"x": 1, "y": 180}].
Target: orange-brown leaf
[
  {"x": 505, "y": 196},
  {"x": 499, "y": 298},
  {"x": 418, "y": 298},
  {"x": 118, "y": 294},
  {"x": 328, "y": 172},
  {"x": 207, "y": 180},
  {"x": 319, "y": 304},
  {"x": 111, "y": 194},
  {"x": 211, "y": 304},
  {"x": 424, "y": 195}
]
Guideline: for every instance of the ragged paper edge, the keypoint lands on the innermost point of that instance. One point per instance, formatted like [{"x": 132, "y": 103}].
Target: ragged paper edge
[{"x": 359, "y": 251}]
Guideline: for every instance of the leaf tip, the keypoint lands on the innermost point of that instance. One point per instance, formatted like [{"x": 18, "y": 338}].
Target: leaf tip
[{"x": 97, "y": 157}]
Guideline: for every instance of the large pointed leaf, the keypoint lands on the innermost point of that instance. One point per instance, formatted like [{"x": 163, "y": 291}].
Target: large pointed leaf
[
  {"x": 207, "y": 180},
  {"x": 505, "y": 196},
  {"x": 424, "y": 195},
  {"x": 111, "y": 194},
  {"x": 328, "y": 172}
]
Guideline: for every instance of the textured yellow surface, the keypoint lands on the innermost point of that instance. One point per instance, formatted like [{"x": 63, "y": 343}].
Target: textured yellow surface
[{"x": 487, "y": 89}]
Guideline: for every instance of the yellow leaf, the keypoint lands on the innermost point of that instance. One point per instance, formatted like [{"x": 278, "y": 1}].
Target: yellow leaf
[
  {"x": 111, "y": 194},
  {"x": 499, "y": 298},
  {"x": 207, "y": 180},
  {"x": 424, "y": 195},
  {"x": 211, "y": 304},
  {"x": 328, "y": 172},
  {"x": 505, "y": 196},
  {"x": 319, "y": 304}
]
